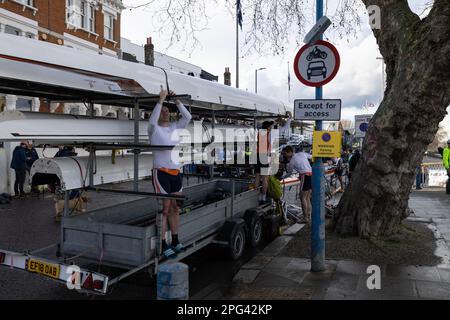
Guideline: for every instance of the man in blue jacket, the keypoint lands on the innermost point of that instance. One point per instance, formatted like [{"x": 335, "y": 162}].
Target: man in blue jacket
[{"x": 19, "y": 164}]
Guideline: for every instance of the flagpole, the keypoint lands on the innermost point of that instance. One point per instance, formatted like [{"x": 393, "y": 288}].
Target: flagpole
[{"x": 237, "y": 45}]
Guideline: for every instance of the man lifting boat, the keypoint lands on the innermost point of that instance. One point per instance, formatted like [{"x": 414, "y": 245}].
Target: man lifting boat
[{"x": 167, "y": 177}]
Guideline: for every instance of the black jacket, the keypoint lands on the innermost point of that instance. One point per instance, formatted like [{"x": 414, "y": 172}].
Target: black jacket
[
  {"x": 19, "y": 158},
  {"x": 32, "y": 156},
  {"x": 353, "y": 161}
]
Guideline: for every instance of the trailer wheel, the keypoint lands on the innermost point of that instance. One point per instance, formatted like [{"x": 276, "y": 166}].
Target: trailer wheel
[
  {"x": 255, "y": 228},
  {"x": 237, "y": 242}
]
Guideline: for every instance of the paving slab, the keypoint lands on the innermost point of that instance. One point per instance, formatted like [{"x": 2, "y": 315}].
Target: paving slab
[
  {"x": 389, "y": 287},
  {"x": 444, "y": 273},
  {"x": 294, "y": 275},
  {"x": 276, "y": 246},
  {"x": 339, "y": 294},
  {"x": 345, "y": 282},
  {"x": 433, "y": 290},
  {"x": 266, "y": 279},
  {"x": 352, "y": 267},
  {"x": 413, "y": 272},
  {"x": 292, "y": 230},
  {"x": 258, "y": 262},
  {"x": 246, "y": 276},
  {"x": 274, "y": 293}
]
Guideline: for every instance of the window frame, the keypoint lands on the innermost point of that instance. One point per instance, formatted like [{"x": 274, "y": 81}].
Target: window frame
[{"x": 110, "y": 28}]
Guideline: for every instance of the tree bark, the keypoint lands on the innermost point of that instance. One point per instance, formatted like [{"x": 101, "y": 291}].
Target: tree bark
[{"x": 417, "y": 57}]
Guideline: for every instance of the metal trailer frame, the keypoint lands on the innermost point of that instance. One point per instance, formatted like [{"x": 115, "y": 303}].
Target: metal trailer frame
[{"x": 88, "y": 281}]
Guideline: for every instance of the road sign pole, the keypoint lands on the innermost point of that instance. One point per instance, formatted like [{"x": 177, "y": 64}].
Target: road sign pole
[{"x": 318, "y": 204}]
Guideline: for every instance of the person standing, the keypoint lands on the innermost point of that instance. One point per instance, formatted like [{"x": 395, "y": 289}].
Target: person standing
[
  {"x": 264, "y": 154},
  {"x": 300, "y": 163},
  {"x": 167, "y": 177},
  {"x": 353, "y": 161},
  {"x": 19, "y": 165},
  {"x": 32, "y": 156},
  {"x": 419, "y": 177},
  {"x": 446, "y": 163}
]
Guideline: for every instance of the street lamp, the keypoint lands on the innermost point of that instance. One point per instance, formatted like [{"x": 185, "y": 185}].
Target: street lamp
[{"x": 256, "y": 78}]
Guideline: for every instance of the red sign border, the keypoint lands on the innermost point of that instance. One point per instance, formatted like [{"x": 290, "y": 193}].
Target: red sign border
[{"x": 333, "y": 74}]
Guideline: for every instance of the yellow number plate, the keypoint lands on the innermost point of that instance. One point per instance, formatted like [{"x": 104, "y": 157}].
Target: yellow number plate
[{"x": 47, "y": 269}]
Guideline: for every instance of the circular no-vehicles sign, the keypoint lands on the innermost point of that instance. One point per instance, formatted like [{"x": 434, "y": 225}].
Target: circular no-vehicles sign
[{"x": 317, "y": 64}]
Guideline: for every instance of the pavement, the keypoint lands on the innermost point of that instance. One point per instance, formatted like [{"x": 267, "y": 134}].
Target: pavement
[
  {"x": 29, "y": 224},
  {"x": 271, "y": 276}
]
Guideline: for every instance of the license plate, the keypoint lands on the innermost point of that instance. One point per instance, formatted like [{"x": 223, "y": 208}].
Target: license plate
[{"x": 47, "y": 269}]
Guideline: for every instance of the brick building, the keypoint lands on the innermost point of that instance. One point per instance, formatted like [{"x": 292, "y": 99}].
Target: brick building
[{"x": 81, "y": 24}]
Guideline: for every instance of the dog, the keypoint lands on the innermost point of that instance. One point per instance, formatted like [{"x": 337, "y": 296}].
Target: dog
[{"x": 76, "y": 206}]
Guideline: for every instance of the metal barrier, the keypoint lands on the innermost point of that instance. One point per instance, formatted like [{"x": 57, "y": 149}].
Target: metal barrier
[{"x": 433, "y": 175}]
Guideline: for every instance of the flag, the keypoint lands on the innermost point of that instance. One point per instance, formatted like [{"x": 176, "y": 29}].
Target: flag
[
  {"x": 239, "y": 13},
  {"x": 289, "y": 78}
]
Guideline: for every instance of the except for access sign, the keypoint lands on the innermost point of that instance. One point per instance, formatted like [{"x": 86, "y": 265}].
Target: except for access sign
[
  {"x": 317, "y": 64},
  {"x": 310, "y": 109},
  {"x": 326, "y": 144}
]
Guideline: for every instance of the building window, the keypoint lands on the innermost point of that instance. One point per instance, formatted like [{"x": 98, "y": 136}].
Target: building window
[
  {"x": 13, "y": 30},
  {"x": 81, "y": 14},
  {"x": 26, "y": 2},
  {"x": 91, "y": 18},
  {"x": 109, "y": 26}
]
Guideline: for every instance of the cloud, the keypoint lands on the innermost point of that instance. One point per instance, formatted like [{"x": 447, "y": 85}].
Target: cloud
[{"x": 358, "y": 80}]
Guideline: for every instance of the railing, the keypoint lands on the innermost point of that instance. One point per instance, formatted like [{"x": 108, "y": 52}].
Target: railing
[{"x": 433, "y": 175}]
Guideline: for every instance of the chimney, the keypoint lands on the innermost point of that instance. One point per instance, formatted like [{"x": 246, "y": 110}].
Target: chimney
[
  {"x": 149, "y": 51},
  {"x": 227, "y": 77}
]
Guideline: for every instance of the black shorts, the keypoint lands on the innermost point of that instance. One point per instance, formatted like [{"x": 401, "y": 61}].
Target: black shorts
[
  {"x": 167, "y": 183},
  {"x": 305, "y": 182},
  {"x": 339, "y": 172}
]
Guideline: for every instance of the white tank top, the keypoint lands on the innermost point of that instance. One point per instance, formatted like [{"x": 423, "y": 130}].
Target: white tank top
[{"x": 166, "y": 136}]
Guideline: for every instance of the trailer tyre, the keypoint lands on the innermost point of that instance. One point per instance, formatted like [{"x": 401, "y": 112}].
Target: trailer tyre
[
  {"x": 255, "y": 228},
  {"x": 237, "y": 242}
]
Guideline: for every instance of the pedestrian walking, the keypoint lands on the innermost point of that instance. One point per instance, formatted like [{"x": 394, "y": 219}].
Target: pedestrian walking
[{"x": 446, "y": 163}]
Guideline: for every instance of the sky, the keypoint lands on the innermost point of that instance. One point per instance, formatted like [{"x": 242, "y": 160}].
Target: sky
[{"x": 358, "y": 82}]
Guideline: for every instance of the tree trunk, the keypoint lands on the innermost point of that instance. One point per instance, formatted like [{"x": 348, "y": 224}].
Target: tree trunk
[{"x": 417, "y": 56}]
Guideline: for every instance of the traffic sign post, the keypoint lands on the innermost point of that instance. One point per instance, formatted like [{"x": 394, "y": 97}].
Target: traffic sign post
[{"x": 315, "y": 65}]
